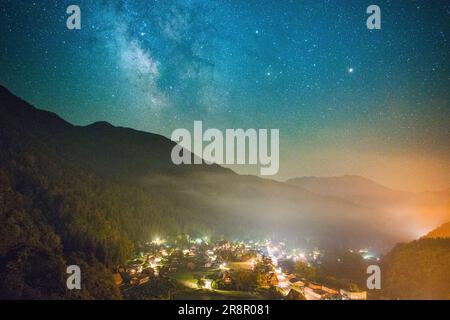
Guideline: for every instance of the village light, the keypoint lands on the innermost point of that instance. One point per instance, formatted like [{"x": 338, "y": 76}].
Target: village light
[
  {"x": 208, "y": 283},
  {"x": 223, "y": 266},
  {"x": 368, "y": 256},
  {"x": 157, "y": 241}
]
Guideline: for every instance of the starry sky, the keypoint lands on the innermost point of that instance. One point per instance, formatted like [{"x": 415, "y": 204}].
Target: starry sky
[{"x": 347, "y": 100}]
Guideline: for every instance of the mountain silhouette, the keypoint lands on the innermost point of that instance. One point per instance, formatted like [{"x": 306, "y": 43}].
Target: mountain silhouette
[
  {"x": 443, "y": 231},
  {"x": 128, "y": 156},
  {"x": 420, "y": 211}
]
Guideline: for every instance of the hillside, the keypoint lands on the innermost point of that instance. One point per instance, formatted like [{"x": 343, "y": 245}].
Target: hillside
[
  {"x": 442, "y": 231},
  {"x": 417, "y": 270}
]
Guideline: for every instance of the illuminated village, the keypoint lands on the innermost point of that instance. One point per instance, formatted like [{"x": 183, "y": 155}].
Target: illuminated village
[{"x": 185, "y": 268}]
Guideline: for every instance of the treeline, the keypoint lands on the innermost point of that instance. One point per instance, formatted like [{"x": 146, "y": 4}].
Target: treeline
[
  {"x": 442, "y": 231},
  {"x": 417, "y": 270}
]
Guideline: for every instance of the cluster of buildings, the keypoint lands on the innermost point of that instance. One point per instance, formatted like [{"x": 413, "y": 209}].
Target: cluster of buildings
[
  {"x": 292, "y": 287},
  {"x": 223, "y": 259}
]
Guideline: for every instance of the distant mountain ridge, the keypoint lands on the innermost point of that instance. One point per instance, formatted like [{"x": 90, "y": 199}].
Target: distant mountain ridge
[
  {"x": 349, "y": 186},
  {"x": 428, "y": 209},
  {"x": 417, "y": 270}
]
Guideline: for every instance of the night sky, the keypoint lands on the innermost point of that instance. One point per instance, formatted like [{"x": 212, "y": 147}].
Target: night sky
[{"x": 347, "y": 100}]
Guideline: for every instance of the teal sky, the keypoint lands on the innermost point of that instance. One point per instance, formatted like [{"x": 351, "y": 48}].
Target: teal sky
[{"x": 347, "y": 100}]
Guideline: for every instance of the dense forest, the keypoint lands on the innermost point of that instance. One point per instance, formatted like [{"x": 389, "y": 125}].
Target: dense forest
[
  {"x": 418, "y": 270},
  {"x": 54, "y": 215}
]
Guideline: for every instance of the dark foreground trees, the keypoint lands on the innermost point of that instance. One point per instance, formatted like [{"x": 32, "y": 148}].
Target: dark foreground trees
[{"x": 418, "y": 270}]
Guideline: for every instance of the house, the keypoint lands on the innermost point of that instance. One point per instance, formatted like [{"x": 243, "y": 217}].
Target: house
[
  {"x": 162, "y": 271},
  {"x": 190, "y": 265},
  {"x": 273, "y": 279},
  {"x": 295, "y": 294},
  {"x": 227, "y": 279},
  {"x": 118, "y": 280},
  {"x": 135, "y": 268},
  {"x": 142, "y": 279},
  {"x": 329, "y": 290},
  {"x": 315, "y": 294},
  {"x": 314, "y": 286},
  {"x": 290, "y": 276},
  {"x": 354, "y": 295},
  {"x": 296, "y": 282},
  {"x": 192, "y": 252},
  {"x": 149, "y": 271}
]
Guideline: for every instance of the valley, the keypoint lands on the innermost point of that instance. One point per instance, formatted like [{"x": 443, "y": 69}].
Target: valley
[{"x": 91, "y": 196}]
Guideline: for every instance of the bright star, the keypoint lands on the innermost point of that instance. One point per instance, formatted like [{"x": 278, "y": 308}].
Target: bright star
[{"x": 350, "y": 70}]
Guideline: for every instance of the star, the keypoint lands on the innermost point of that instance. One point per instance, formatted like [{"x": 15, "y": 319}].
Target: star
[{"x": 351, "y": 70}]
